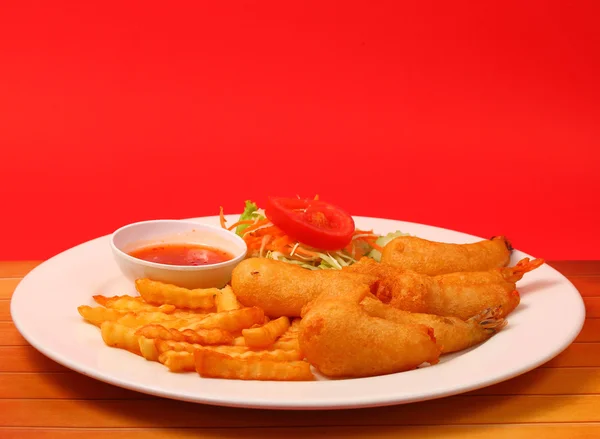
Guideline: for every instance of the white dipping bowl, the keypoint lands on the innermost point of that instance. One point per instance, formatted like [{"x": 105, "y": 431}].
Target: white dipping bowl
[{"x": 157, "y": 232}]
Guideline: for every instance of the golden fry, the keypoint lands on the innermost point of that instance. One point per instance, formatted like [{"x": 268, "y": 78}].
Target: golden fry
[
  {"x": 266, "y": 335},
  {"x": 232, "y": 321},
  {"x": 226, "y": 300},
  {"x": 98, "y": 314},
  {"x": 451, "y": 334},
  {"x": 212, "y": 364},
  {"x": 120, "y": 336},
  {"x": 178, "y": 361},
  {"x": 239, "y": 341},
  {"x": 199, "y": 336},
  {"x": 139, "y": 319},
  {"x": 288, "y": 344},
  {"x": 179, "y": 346},
  {"x": 130, "y": 303},
  {"x": 159, "y": 293},
  {"x": 233, "y": 351},
  {"x": 433, "y": 258},
  {"x": 148, "y": 349}
]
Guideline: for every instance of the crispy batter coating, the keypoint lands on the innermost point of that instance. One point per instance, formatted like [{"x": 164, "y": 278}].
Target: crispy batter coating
[
  {"x": 341, "y": 339},
  {"x": 282, "y": 289},
  {"x": 433, "y": 258},
  {"x": 451, "y": 334},
  {"x": 462, "y": 294}
]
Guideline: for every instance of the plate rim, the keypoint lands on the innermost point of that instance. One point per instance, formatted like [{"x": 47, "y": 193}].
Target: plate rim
[{"x": 301, "y": 405}]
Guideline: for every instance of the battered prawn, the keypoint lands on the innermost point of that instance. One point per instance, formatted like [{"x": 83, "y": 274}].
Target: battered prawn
[
  {"x": 451, "y": 334},
  {"x": 462, "y": 294},
  {"x": 433, "y": 258},
  {"x": 282, "y": 289},
  {"x": 341, "y": 339}
]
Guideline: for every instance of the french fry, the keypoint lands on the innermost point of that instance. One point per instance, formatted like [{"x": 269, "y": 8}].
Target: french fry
[
  {"x": 148, "y": 349},
  {"x": 233, "y": 351},
  {"x": 158, "y": 293},
  {"x": 226, "y": 300},
  {"x": 287, "y": 342},
  {"x": 98, "y": 314},
  {"x": 239, "y": 341},
  {"x": 139, "y": 319},
  {"x": 189, "y": 314},
  {"x": 192, "y": 330},
  {"x": 120, "y": 336},
  {"x": 211, "y": 364},
  {"x": 183, "y": 324},
  {"x": 178, "y": 361},
  {"x": 200, "y": 336},
  {"x": 290, "y": 344},
  {"x": 232, "y": 321},
  {"x": 171, "y": 345},
  {"x": 130, "y": 303},
  {"x": 266, "y": 335}
]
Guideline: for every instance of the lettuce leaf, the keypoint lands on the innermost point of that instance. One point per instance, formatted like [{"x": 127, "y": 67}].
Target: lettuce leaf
[
  {"x": 383, "y": 241},
  {"x": 250, "y": 213}
]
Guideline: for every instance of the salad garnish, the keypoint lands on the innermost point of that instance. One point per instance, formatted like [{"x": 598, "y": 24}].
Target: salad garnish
[{"x": 310, "y": 233}]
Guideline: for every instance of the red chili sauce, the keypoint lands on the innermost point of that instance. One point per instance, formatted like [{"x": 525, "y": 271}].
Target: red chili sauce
[{"x": 182, "y": 254}]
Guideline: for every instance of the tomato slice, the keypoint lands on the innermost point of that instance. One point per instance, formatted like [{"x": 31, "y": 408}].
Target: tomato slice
[{"x": 312, "y": 222}]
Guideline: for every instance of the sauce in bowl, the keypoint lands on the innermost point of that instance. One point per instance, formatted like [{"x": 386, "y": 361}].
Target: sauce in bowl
[{"x": 182, "y": 254}]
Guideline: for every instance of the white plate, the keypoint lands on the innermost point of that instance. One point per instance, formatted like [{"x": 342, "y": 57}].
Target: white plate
[{"x": 44, "y": 309}]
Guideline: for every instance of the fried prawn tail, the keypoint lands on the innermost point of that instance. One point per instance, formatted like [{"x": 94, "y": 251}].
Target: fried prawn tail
[
  {"x": 490, "y": 319},
  {"x": 516, "y": 273}
]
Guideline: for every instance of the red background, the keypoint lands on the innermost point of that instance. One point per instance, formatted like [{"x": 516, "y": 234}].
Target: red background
[{"x": 477, "y": 116}]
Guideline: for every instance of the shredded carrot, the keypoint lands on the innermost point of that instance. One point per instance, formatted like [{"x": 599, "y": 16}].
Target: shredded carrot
[
  {"x": 239, "y": 223},
  {"x": 256, "y": 225},
  {"x": 281, "y": 242},
  {"x": 316, "y": 197},
  {"x": 362, "y": 232},
  {"x": 374, "y": 245},
  {"x": 222, "y": 218}
]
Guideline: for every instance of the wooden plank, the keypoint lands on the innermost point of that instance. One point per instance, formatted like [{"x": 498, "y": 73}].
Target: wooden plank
[
  {"x": 61, "y": 385},
  {"x": 458, "y": 410},
  {"x": 547, "y": 431},
  {"x": 592, "y": 307},
  {"x": 7, "y": 286},
  {"x": 26, "y": 359},
  {"x": 588, "y": 286},
  {"x": 577, "y": 268},
  {"x": 17, "y": 268},
  {"x": 548, "y": 381},
  {"x": 577, "y": 355},
  {"x": 5, "y": 311},
  {"x": 9, "y": 336},
  {"x": 590, "y": 331},
  {"x": 71, "y": 385}
]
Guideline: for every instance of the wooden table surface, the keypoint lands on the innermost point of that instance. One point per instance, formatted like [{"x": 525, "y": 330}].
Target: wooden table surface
[{"x": 561, "y": 399}]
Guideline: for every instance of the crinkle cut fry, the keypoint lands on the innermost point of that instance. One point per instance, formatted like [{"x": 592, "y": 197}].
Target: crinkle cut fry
[
  {"x": 130, "y": 303},
  {"x": 211, "y": 364},
  {"x": 120, "y": 336},
  {"x": 232, "y": 321},
  {"x": 201, "y": 336},
  {"x": 266, "y": 335},
  {"x": 159, "y": 293}
]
